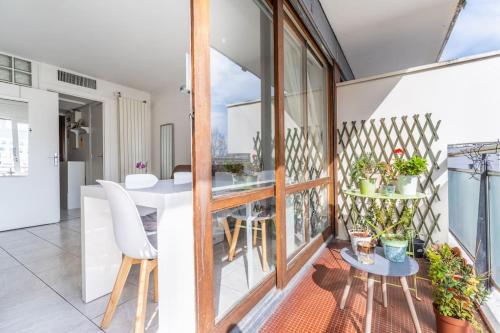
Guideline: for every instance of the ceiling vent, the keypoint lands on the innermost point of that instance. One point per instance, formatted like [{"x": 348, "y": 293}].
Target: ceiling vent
[{"x": 76, "y": 80}]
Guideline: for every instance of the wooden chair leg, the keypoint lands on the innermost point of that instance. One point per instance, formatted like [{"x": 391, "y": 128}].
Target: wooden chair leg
[
  {"x": 155, "y": 281},
  {"x": 263, "y": 233},
  {"x": 142, "y": 295},
  {"x": 117, "y": 291},
  {"x": 227, "y": 231},
  {"x": 234, "y": 240},
  {"x": 255, "y": 231}
]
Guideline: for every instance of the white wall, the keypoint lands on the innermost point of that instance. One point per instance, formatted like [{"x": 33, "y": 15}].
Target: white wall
[
  {"x": 463, "y": 94},
  {"x": 171, "y": 106},
  {"x": 105, "y": 93}
]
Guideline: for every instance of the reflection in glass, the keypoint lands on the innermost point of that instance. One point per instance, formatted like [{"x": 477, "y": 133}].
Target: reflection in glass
[
  {"x": 241, "y": 72},
  {"x": 317, "y": 162},
  {"x": 305, "y": 111},
  {"x": 494, "y": 197},
  {"x": 295, "y": 223},
  {"x": 14, "y": 138},
  {"x": 306, "y": 218},
  {"x": 295, "y": 111},
  {"x": 463, "y": 208},
  {"x": 244, "y": 248}
]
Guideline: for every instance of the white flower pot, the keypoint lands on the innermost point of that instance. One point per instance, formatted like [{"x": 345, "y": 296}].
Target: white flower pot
[{"x": 407, "y": 185}]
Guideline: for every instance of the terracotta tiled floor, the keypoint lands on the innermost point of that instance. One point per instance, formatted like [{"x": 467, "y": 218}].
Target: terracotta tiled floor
[{"x": 313, "y": 306}]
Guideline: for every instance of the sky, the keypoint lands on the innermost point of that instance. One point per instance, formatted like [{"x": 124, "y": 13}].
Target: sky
[
  {"x": 230, "y": 84},
  {"x": 477, "y": 30}
]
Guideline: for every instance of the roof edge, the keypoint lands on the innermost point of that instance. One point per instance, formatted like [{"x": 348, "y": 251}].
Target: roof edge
[{"x": 460, "y": 5}]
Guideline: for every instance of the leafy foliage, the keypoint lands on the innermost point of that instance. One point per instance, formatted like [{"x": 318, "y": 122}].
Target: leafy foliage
[
  {"x": 235, "y": 168},
  {"x": 388, "y": 173},
  {"x": 415, "y": 166},
  {"x": 382, "y": 218},
  {"x": 364, "y": 168},
  {"x": 456, "y": 286}
]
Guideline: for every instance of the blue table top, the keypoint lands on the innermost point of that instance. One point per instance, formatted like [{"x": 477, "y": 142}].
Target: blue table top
[{"x": 382, "y": 266}]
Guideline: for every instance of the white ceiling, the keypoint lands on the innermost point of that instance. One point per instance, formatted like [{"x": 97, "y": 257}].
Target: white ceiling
[
  {"x": 387, "y": 35},
  {"x": 140, "y": 44}
]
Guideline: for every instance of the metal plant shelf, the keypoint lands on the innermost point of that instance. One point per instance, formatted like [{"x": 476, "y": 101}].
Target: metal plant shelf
[{"x": 396, "y": 196}]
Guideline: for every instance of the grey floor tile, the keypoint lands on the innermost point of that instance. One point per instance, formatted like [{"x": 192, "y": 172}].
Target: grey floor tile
[
  {"x": 28, "y": 305},
  {"x": 6, "y": 261},
  {"x": 124, "y": 318}
]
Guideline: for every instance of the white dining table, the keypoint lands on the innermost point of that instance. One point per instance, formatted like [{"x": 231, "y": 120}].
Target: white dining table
[{"x": 101, "y": 258}]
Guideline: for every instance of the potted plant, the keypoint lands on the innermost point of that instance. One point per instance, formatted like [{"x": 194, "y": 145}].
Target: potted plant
[
  {"x": 389, "y": 177},
  {"x": 238, "y": 172},
  {"x": 408, "y": 171},
  {"x": 456, "y": 290},
  {"x": 359, "y": 233},
  {"x": 362, "y": 174},
  {"x": 392, "y": 232}
]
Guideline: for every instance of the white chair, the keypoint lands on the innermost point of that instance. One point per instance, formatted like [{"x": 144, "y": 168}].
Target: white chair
[
  {"x": 183, "y": 177},
  {"x": 132, "y": 240},
  {"x": 148, "y": 214},
  {"x": 140, "y": 180}
]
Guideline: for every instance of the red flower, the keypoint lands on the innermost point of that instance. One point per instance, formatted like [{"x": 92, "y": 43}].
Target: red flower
[{"x": 398, "y": 151}]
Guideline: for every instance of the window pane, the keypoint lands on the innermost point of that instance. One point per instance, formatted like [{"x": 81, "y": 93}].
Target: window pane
[
  {"x": 318, "y": 211},
  {"x": 317, "y": 134},
  {"x": 306, "y": 218},
  {"x": 295, "y": 118},
  {"x": 463, "y": 208},
  {"x": 244, "y": 251},
  {"x": 295, "y": 223},
  {"x": 494, "y": 187},
  {"x": 241, "y": 96},
  {"x": 7, "y": 163}
]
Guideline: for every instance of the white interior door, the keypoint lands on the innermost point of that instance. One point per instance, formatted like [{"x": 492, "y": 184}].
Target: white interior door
[{"x": 33, "y": 199}]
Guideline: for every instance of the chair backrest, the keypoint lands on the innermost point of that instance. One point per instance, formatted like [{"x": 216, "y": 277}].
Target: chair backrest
[
  {"x": 129, "y": 232},
  {"x": 183, "y": 177},
  {"x": 181, "y": 168},
  {"x": 140, "y": 180}
]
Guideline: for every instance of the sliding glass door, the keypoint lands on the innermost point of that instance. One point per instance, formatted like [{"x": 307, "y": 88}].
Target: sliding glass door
[
  {"x": 242, "y": 149},
  {"x": 262, "y": 160}
]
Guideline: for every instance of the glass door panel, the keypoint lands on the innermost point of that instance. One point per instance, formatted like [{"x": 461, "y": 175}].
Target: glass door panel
[
  {"x": 242, "y": 112},
  {"x": 244, "y": 250},
  {"x": 295, "y": 108},
  {"x": 317, "y": 133}
]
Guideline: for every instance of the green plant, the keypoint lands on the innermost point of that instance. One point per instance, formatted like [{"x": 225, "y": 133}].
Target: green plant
[
  {"x": 385, "y": 223},
  {"x": 457, "y": 288},
  {"x": 388, "y": 173},
  {"x": 365, "y": 167},
  {"x": 414, "y": 166},
  {"x": 235, "y": 168}
]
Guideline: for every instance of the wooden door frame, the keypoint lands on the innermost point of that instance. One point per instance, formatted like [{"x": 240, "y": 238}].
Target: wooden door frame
[{"x": 203, "y": 203}]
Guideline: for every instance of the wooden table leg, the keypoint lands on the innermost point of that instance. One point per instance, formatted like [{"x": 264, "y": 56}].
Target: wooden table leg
[
  {"x": 263, "y": 233},
  {"x": 384, "y": 290},
  {"x": 409, "y": 300},
  {"x": 347, "y": 288},
  {"x": 369, "y": 303}
]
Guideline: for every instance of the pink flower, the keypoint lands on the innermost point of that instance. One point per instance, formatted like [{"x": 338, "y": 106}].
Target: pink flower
[
  {"x": 398, "y": 151},
  {"x": 140, "y": 165}
]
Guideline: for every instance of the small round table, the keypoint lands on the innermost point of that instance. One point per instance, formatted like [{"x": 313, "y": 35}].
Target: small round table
[{"x": 383, "y": 268}]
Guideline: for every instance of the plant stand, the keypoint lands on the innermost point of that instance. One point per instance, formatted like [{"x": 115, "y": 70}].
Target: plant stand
[{"x": 396, "y": 197}]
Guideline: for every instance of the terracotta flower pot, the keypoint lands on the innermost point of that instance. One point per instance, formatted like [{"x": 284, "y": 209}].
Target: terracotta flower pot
[{"x": 446, "y": 324}]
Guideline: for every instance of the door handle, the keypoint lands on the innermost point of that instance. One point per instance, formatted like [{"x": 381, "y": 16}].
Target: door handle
[{"x": 55, "y": 158}]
